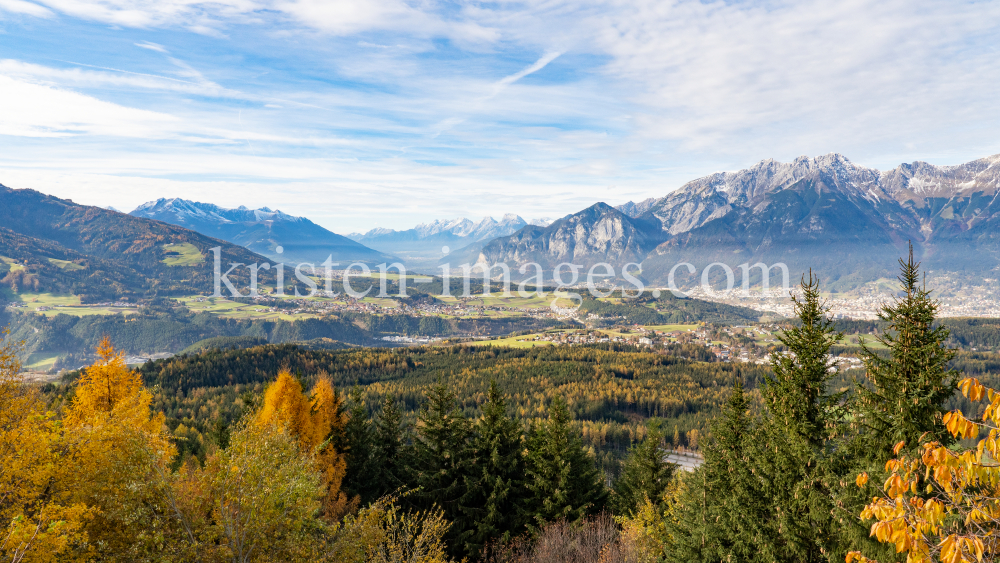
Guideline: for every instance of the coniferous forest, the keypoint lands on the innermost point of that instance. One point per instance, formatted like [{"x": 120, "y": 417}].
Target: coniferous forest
[{"x": 437, "y": 454}]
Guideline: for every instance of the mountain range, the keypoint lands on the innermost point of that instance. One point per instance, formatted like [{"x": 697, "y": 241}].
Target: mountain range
[
  {"x": 847, "y": 222},
  {"x": 262, "y": 231},
  {"x": 424, "y": 242},
  {"x": 54, "y": 245}
]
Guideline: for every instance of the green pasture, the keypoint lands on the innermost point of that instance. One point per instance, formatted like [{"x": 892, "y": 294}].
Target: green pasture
[
  {"x": 41, "y": 361},
  {"x": 49, "y": 299},
  {"x": 14, "y": 266},
  {"x": 522, "y": 341},
  {"x": 233, "y": 310},
  {"x": 188, "y": 255},
  {"x": 675, "y": 327},
  {"x": 65, "y": 265},
  {"x": 515, "y": 301},
  {"x": 65, "y": 304}
]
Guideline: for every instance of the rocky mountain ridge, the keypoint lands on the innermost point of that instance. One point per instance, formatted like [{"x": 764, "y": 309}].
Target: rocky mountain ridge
[{"x": 847, "y": 221}]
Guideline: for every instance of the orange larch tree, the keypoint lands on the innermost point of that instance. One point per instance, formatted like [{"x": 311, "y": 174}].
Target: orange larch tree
[{"x": 316, "y": 420}]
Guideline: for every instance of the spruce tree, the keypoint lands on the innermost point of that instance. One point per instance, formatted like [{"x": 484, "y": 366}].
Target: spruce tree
[
  {"x": 645, "y": 474},
  {"x": 496, "y": 483},
  {"x": 906, "y": 391},
  {"x": 563, "y": 480},
  {"x": 720, "y": 513},
  {"x": 360, "y": 479},
  {"x": 391, "y": 455},
  {"x": 794, "y": 446},
  {"x": 441, "y": 463},
  {"x": 900, "y": 400}
]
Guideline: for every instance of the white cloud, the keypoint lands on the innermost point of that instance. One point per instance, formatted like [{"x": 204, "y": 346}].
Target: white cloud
[
  {"x": 27, "y": 8},
  {"x": 104, "y": 77},
  {"x": 640, "y": 95},
  {"x": 152, "y": 46},
  {"x": 33, "y": 110},
  {"x": 539, "y": 65},
  {"x": 806, "y": 74}
]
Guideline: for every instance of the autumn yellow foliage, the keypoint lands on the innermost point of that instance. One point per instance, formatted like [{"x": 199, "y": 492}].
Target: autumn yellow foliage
[
  {"x": 42, "y": 520},
  {"x": 315, "y": 420},
  {"x": 942, "y": 504},
  {"x": 384, "y": 533}
]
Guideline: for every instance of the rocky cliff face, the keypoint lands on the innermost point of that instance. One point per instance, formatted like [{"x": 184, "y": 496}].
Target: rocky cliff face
[{"x": 845, "y": 220}]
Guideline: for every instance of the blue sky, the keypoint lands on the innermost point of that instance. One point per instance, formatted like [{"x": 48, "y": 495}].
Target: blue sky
[{"x": 387, "y": 113}]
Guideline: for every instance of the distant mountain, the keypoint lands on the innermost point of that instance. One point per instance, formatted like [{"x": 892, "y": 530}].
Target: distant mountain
[
  {"x": 49, "y": 244},
  {"x": 847, "y": 222},
  {"x": 262, "y": 231},
  {"x": 425, "y": 241},
  {"x": 599, "y": 233}
]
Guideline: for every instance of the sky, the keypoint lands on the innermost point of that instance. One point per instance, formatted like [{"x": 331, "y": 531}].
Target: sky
[{"x": 389, "y": 113}]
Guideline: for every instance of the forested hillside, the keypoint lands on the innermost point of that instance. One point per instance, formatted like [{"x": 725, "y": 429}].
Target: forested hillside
[
  {"x": 162, "y": 327},
  {"x": 611, "y": 394},
  {"x": 499, "y": 454},
  {"x": 666, "y": 309},
  {"x": 101, "y": 255}
]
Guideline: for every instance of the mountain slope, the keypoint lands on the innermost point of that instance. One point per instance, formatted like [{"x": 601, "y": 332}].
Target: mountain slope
[
  {"x": 846, "y": 221},
  {"x": 597, "y": 234},
  {"x": 262, "y": 231},
  {"x": 101, "y": 254}
]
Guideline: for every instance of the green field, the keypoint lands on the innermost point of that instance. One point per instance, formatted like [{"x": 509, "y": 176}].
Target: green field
[
  {"x": 14, "y": 266},
  {"x": 674, "y": 328},
  {"x": 233, "y": 310},
  {"x": 41, "y": 361},
  {"x": 514, "y": 301},
  {"x": 49, "y": 299},
  {"x": 65, "y": 265},
  {"x": 64, "y": 303},
  {"x": 187, "y": 255},
  {"x": 522, "y": 341}
]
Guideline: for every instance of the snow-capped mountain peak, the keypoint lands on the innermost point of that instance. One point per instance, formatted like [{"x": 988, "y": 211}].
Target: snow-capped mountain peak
[{"x": 183, "y": 211}]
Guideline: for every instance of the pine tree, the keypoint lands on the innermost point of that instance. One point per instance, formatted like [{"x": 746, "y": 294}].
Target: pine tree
[
  {"x": 563, "y": 480},
  {"x": 795, "y": 436},
  {"x": 646, "y": 474},
  {"x": 496, "y": 483},
  {"x": 441, "y": 459},
  {"x": 901, "y": 401}
]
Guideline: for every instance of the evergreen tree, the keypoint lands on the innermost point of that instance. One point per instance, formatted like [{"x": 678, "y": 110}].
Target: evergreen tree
[
  {"x": 362, "y": 477},
  {"x": 563, "y": 481},
  {"x": 720, "y": 512},
  {"x": 645, "y": 474},
  {"x": 795, "y": 431},
  {"x": 391, "y": 455},
  {"x": 906, "y": 391},
  {"x": 496, "y": 483},
  {"x": 441, "y": 463},
  {"x": 901, "y": 401}
]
